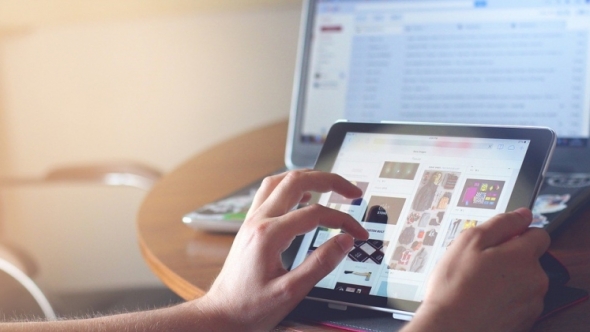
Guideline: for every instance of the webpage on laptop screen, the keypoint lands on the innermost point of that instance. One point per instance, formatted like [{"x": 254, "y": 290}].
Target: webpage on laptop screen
[
  {"x": 419, "y": 194},
  {"x": 483, "y": 61}
]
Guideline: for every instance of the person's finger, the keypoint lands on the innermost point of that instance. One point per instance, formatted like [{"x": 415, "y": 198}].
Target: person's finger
[
  {"x": 294, "y": 185},
  {"x": 534, "y": 240},
  {"x": 301, "y": 221},
  {"x": 503, "y": 227},
  {"x": 267, "y": 186},
  {"x": 306, "y": 197},
  {"x": 321, "y": 262}
]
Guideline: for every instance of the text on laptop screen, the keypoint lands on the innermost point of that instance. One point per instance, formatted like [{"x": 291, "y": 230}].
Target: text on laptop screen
[{"x": 485, "y": 61}]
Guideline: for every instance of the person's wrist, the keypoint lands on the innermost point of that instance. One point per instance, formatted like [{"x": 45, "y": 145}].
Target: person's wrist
[
  {"x": 214, "y": 316},
  {"x": 205, "y": 313}
]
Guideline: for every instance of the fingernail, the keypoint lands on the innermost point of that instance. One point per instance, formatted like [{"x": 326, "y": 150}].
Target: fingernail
[{"x": 524, "y": 213}]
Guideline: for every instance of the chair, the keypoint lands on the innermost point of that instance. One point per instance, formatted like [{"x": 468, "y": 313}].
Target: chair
[
  {"x": 113, "y": 174},
  {"x": 16, "y": 267}
]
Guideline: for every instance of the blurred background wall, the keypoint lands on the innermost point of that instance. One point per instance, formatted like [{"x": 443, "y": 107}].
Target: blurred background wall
[{"x": 150, "y": 81}]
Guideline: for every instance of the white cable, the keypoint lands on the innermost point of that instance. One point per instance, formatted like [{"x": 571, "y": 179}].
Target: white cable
[{"x": 30, "y": 285}]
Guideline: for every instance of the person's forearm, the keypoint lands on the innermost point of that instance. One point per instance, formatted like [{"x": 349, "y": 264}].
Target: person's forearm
[
  {"x": 185, "y": 317},
  {"x": 420, "y": 325}
]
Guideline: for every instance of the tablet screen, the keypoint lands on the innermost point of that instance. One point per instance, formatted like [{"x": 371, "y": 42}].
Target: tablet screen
[{"x": 419, "y": 193}]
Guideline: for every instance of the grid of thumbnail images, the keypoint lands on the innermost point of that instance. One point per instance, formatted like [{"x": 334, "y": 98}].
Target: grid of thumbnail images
[{"x": 420, "y": 227}]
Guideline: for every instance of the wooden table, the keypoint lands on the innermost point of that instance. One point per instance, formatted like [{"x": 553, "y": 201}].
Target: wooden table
[{"x": 187, "y": 261}]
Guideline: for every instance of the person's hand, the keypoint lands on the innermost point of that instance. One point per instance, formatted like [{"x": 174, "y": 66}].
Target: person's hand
[
  {"x": 253, "y": 290},
  {"x": 490, "y": 279}
]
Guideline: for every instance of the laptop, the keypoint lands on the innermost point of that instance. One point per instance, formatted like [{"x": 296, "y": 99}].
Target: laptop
[
  {"x": 453, "y": 61},
  {"x": 498, "y": 62}
]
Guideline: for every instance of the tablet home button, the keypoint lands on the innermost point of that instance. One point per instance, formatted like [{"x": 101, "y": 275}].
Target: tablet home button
[
  {"x": 402, "y": 316},
  {"x": 337, "y": 306}
]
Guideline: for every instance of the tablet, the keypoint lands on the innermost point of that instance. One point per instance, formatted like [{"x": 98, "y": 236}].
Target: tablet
[{"x": 423, "y": 184}]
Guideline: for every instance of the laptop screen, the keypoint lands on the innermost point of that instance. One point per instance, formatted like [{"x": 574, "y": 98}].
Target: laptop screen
[{"x": 478, "y": 61}]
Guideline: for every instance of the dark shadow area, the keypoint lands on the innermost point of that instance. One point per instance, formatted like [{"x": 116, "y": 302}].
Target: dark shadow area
[
  {"x": 16, "y": 304},
  {"x": 113, "y": 302}
]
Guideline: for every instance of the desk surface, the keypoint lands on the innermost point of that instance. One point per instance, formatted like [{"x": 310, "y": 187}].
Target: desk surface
[{"x": 187, "y": 261}]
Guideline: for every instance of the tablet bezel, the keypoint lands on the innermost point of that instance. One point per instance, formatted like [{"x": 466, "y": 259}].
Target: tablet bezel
[{"x": 528, "y": 183}]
